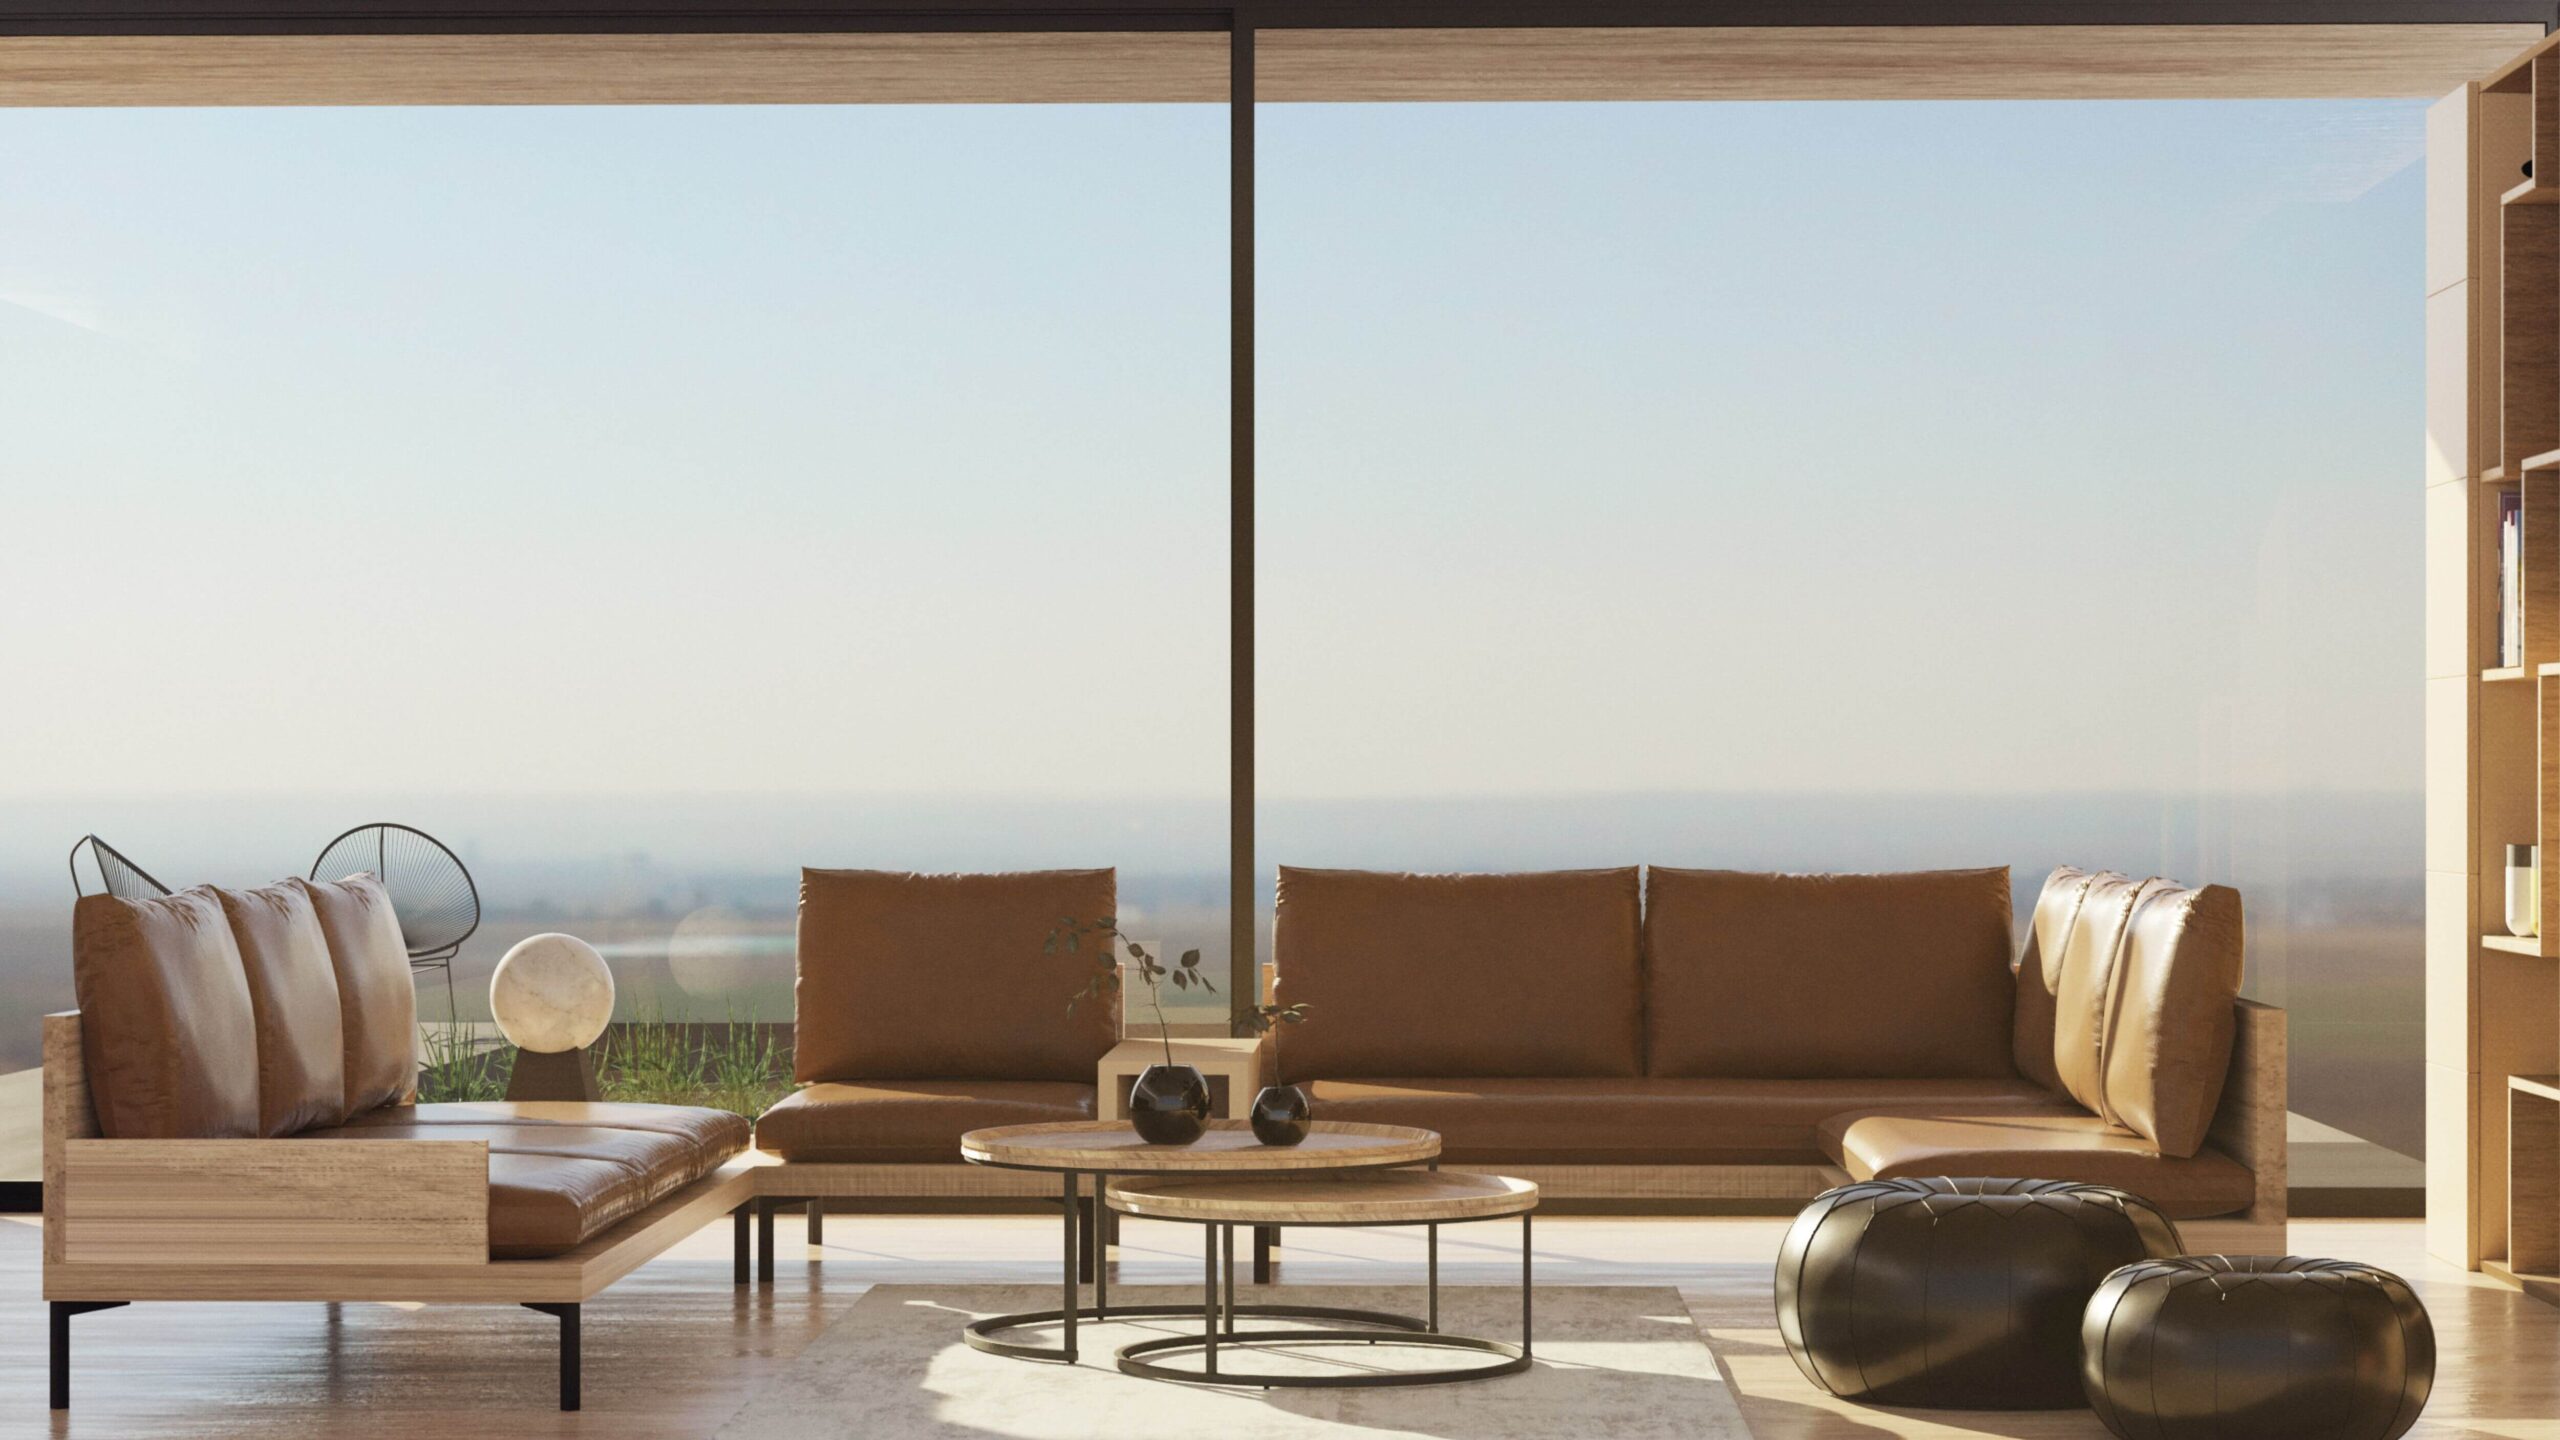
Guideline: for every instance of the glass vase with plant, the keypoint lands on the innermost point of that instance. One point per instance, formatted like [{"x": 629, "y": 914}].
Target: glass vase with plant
[
  {"x": 1281, "y": 1111},
  {"x": 1169, "y": 1104}
]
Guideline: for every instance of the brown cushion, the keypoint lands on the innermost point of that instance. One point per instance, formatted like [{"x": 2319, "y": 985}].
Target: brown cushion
[
  {"x": 170, "y": 1040},
  {"x": 2049, "y": 1143},
  {"x": 1828, "y": 976},
  {"x": 1463, "y": 975},
  {"x": 2091, "y": 940},
  {"x": 1639, "y": 1121},
  {"x": 293, "y": 992},
  {"x": 2039, "y": 974},
  {"x": 542, "y": 1204},
  {"x": 2171, "y": 1026},
  {"x": 942, "y": 977},
  {"x": 561, "y": 1172},
  {"x": 909, "y": 1122},
  {"x": 377, "y": 1001},
  {"x": 715, "y": 1135}
]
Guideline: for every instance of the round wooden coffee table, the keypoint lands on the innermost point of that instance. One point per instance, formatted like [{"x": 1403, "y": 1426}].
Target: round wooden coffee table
[
  {"x": 1104, "y": 1148},
  {"x": 1396, "y": 1197}
]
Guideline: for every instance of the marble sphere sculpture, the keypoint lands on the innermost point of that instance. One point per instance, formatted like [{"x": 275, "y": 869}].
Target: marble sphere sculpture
[{"x": 552, "y": 993}]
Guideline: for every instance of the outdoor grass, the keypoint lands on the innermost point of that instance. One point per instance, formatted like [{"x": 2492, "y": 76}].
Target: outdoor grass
[{"x": 648, "y": 1060}]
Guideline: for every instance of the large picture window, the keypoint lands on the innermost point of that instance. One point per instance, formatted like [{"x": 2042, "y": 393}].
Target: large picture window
[{"x": 1866, "y": 486}]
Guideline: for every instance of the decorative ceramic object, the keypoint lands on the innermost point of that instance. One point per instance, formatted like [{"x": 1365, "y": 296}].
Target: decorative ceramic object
[
  {"x": 2524, "y": 890},
  {"x": 552, "y": 993},
  {"x": 1280, "y": 1115},
  {"x": 1169, "y": 1104}
]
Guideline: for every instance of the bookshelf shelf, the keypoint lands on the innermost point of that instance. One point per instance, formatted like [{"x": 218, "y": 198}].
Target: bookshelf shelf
[{"x": 2494, "y": 742}]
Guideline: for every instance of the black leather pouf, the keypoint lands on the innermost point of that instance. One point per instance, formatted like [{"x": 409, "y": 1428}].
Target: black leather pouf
[
  {"x": 2271, "y": 1347},
  {"x": 1955, "y": 1293}
]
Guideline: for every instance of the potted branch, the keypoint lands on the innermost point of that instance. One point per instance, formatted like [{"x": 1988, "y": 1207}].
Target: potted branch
[
  {"x": 1281, "y": 1111},
  {"x": 1170, "y": 1103}
]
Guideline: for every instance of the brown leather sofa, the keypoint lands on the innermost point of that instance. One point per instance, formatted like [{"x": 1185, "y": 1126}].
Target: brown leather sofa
[
  {"x": 229, "y": 1115},
  {"x": 1711, "y": 1039},
  {"x": 928, "y": 1007}
]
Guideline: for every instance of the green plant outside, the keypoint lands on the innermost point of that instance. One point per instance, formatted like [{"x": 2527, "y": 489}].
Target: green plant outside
[{"x": 649, "y": 1060}]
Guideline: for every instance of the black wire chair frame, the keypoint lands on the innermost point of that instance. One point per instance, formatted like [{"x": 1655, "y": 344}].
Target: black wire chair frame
[
  {"x": 431, "y": 891},
  {"x": 117, "y": 874}
]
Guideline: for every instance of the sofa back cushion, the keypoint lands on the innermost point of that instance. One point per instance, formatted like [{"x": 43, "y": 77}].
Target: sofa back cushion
[
  {"x": 943, "y": 977},
  {"x": 1810, "y": 977},
  {"x": 165, "y": 1023},
  {"x": 377, "y": 999},
  {"x": 2092, "y": 940},
  {"x": 2168, "y": 1048},
  {"x": 1533, "y": 974},
  {"x": 2040, "y": 973},
  {"x": 293, "y": 995}
]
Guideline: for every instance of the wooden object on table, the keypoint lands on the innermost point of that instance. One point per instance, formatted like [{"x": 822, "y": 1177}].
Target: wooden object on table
[
  {"x": 1110, "y": 1147},
  {"x": 1234, "y": 1068},
  {"x": 563, "y": 1075},
  {"x": 1389, "y": 1197}
]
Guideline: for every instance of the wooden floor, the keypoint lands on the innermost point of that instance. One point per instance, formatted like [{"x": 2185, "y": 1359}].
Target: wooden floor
[{"x": 674, "y": 1350}]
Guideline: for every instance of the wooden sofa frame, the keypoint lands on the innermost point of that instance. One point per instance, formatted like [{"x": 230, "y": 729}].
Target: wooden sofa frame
[{"x": 128, "y": 1220}]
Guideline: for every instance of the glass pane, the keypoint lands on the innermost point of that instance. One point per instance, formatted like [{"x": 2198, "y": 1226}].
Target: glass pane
[
  {"x": 647, "y": 502},
  {"x": 1866, "y": 486}
]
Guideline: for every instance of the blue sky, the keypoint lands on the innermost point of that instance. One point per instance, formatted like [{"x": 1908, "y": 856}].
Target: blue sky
[{"x": 1861, "y": 448}]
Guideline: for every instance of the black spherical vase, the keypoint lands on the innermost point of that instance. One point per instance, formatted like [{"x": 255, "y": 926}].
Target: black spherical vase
[
  {"x": 1169, "y": 1104},
  {"x": 1280, "y": 1115}
]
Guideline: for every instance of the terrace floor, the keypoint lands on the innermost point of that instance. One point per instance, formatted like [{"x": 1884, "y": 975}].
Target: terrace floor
[{"x": 674, "y": 1350}]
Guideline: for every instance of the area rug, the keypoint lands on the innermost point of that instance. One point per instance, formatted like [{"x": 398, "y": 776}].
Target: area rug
[{"x": 1619, "y": 1362}]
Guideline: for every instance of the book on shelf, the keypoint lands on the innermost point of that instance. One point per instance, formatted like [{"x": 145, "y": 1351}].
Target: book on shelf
[{"x": 2510, "y": 579}]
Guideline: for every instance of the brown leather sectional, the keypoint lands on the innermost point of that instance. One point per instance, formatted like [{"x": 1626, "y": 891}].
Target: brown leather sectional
[
  {"x": 1871, "y": 1023},
  {"x": 287, "y": 1011},
  {"x": 930, "y": 1006}
]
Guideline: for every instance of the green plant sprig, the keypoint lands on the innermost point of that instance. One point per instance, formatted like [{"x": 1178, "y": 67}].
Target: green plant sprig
[
  {"x": 1261, "y": 1020},
  {"x": 1184, "y": 974}
]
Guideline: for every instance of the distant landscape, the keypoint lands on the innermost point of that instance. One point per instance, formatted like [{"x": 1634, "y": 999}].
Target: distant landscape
[{"x": 692, "y": 897}]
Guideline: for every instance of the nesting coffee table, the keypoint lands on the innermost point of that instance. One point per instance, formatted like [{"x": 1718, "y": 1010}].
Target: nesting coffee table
[
  {"x": 1102, "y": 1149},
  {"x": 1219, "y": 1204}
]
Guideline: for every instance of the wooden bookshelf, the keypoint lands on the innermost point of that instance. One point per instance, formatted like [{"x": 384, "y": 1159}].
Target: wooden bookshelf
[{"x": 2493, "y": 730}]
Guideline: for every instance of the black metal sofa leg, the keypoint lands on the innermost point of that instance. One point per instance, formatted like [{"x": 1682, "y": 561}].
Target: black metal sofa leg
[
  {"x": 63, "y": 1310},
  {"x": 817, "y": 1222},
  {"x": 568, "y": 1350},
  {"x": 738, "y": 1220},
  {"x": 764, "y": 1239}
]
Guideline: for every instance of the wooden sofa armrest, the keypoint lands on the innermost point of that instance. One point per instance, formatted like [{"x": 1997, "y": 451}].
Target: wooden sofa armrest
[
  {"x": 275, "y": 1202},
  {"x": 2249, "y": 1125},
  {"x": 248, "y": 1202}
]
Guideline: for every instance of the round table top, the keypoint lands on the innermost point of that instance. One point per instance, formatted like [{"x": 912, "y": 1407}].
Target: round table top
[
  {"x": 1227, "y": 1146},
  {"x": 1386, "y": 1197}
]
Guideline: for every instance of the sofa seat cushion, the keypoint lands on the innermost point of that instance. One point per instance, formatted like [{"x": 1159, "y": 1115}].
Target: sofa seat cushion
[
  {"x": 562, "y": 1172},
  {"x": 908, "y": 1122},
  {"x": 1638, "y": 1121},
  {"x": 2037, "y": 1143},
  {"x": 715, "y": 1135}
]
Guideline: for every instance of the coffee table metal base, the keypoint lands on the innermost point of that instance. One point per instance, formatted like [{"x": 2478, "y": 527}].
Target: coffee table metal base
[
  {"x": 1220, "y": 1312},
  {"x": 986, "y": 1334}
]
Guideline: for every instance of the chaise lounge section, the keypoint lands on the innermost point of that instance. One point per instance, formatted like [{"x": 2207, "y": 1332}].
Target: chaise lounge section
[
  {"x": 229, "y": 1116},
  {"x": 1711, "y": 1039}
]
